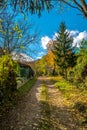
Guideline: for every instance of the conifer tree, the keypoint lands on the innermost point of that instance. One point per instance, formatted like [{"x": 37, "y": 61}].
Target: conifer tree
[{"x": 63, "y": 50}]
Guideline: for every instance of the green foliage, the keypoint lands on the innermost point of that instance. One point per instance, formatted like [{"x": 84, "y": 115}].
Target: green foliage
[
  {"x": 80, "y": 70},
  {"x": 8, "y": 71},
  {"x": 15, "y": 36},
  {"x": 71, "y": 92},
  {"x": 22, "y": 72},
  {"x": 75, "y": 97},
  {"x": 63, "y": 50},
  {"x": 9, "y": 32},
  {"x": 17, "y": 30},
  {"x": 41, "y": 66},
  {"x": 44, "y": 92},
  {"x": 26, "y": 72},
  {"x": 64, "y": 86},
  {"x": 27, "y": 86}
]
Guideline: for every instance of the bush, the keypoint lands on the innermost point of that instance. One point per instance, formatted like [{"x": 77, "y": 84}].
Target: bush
[{"x": 8, "y": 83}]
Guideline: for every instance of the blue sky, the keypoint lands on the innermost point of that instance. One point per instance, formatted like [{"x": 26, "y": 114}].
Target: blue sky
[{"x": 48, "y": 24}]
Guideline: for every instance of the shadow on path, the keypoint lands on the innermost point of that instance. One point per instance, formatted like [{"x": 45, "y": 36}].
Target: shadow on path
[
  {"x": 62, "y": 116},
  {"x": 27, "y": 114},
  {"x": 27, "y": 111}
]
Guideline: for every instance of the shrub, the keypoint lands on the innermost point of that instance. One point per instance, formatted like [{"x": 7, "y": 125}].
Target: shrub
[{"x": 8, "y": 69}]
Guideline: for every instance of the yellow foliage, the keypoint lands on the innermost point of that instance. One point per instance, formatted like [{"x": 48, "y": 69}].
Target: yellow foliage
[
  {"x": 4, "y": 50},
  {"x": 15, "y": 28},
  {"x": 22, "y": 47},
  {"x": 50, "y": 59},
  {"x": 20, "y": 35},
  {"x": 1, "y": 20},
  {"x": 2, "y": 32}
]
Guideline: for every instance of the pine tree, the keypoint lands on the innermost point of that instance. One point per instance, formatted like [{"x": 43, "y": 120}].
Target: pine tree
[{"x": 63, "y": 50}]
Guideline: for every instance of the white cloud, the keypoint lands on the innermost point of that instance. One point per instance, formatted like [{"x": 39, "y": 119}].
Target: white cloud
[
  {"x": 55, "y": 35},
  {"x": 40, "y": 54},
  {"x": 44, "y": 41},
  {"x": 73, "y": 32},
  {"x": 39, "y": 57},
  {"x": 78, "y": 38}
]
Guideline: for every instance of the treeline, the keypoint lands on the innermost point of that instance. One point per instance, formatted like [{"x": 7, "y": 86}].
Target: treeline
[{"x": 65, "y": 59}]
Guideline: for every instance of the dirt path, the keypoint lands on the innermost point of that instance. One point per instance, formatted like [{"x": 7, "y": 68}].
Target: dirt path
[
  {"x": 26, "y": 115},
  {"x": 62, "y": 117}
]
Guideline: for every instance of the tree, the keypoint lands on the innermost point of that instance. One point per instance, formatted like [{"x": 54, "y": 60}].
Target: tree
[
  {"x": 81, "y": 5},
  {"x": 50, "y": 60},
  {"x": 15, "y": 36},
  {"x": 63, "y": 50},
  {"x": 33, "y": 6},
  {"x": 80, "y": 69},
  {"x": 41, "y": 66},
  {"x": 36, "y": 6}
]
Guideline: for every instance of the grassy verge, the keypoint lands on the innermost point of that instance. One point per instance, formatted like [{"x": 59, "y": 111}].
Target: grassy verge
[
  {"x": 44, "y": 123},
  {"x": 27, "y": 86},
  {"x": 74, "y": 96},
  {"x": 9, "y": 103}
]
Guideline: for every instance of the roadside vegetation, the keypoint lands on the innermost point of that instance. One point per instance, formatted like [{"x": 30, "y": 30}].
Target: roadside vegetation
[
  {"x": 76, "y": 98},
  {"x": 12, "y": 99},
  {"x": 27, "y": 86},
  {"x": 66, "y": 63}
]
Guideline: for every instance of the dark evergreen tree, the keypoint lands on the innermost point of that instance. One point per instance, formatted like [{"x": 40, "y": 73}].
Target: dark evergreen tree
[{"x": 63, "y": 50}]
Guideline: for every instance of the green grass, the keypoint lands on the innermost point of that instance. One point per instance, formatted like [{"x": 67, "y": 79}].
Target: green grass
[
  {"x": 70, "y": 91},
  {"x": 63, "y": 86},
  {"x": 56, "y": 79},
  {"x": 44, "y": 123},
  {"x": 44, "y": 93},
  {"x": 27, "y": 86},
  {"x": 75, "y": 97}
]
